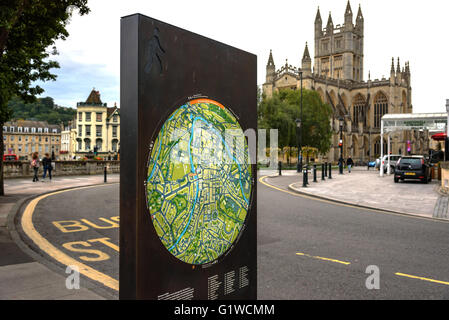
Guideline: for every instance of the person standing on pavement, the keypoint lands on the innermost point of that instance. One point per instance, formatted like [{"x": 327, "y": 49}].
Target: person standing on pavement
[
  {"x": 350, "y": 164},
  {"x": 46, "y": 163},
  {"x": 35, "y": 165}
]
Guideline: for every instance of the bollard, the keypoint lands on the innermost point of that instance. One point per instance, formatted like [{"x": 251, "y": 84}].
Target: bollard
[
  {"x": 322, "y": 172},
  {"x": 314, "y": 173},
  {"x": 105, "y": 174},
  {"x": 330, "y": 170},
  {"x": 340, "y": 166},
  {"x": 325, "y": 169},
  {"x": 304, "y": 178},
  {"x": 307, "y": 174},
  {"x": 280, "y": 168}
]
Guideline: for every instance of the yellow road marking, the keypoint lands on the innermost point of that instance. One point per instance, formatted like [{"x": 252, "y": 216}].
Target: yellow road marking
[
  {"x": 262, "y": 180},
  {"x": 421, "y": 278},
  {"x": 52, "y": 251},
  {"x": 322, "y": 258}
]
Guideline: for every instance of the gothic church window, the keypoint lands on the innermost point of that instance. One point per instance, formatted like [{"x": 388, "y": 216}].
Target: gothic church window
[
  {"x": 380, "y": 108},
  {"x": 358, "y": 110}
]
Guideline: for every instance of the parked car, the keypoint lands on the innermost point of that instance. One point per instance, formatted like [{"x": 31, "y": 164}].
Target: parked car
[
  {"x": 10, "y": 157},
  {"x": 393, "y": 160},
  {"x": 413, "y": 168}
]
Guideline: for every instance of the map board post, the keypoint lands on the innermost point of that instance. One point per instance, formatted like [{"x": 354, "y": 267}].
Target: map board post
[{"x": 188, "y": 209}]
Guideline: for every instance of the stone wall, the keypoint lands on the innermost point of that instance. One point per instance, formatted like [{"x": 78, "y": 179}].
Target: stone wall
[{"x": 22, "y": 169}]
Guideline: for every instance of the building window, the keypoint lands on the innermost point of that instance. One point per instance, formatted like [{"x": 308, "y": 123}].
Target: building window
[
  {"x": 80, "y": 145},
  {"x": 338, "y": 43},
  {"x": 80, "y": 130},
  {"x": 19, "y": 147},
  {"x": 114, "y": 145},
  {"x": 39, "y": 130},
  {"x": 19, "y": 129},
  {"x": 114, "y": 131},
  {"x": 46, "y": 139},
  {"x": 87, "y": 130},
  {"x": 55, "y": 130},
  {"x": 80, "y": 116},
  {"x": 26, "y": 148},
  {"x": 98, "y": 130},
  {"x": 115, "y": 118},
  {"x": 11, "y": 129},
  {"x": 20, "y": 138},
  {"x": 46, "y": 148},
  {"x": 27, "y": 130},
  {"x": 5, "y": 129},
  {"x": 358, "y": 110},
  {"x": 377, "y": 148},
  {"x": 12, "y": 138},
  {"x": 46, "y": 130},
  {"x": 87, "y": 144},
  {"x": 99, "y": 144},
  {"x": 88, "y": 116},
  {"x": 33, "y": 130},
  {"x": 380, "y": 108},
  {"x": 99, "y": 116}
]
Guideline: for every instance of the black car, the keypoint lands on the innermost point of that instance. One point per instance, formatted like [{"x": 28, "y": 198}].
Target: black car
[{"x": 413, "y": 168}]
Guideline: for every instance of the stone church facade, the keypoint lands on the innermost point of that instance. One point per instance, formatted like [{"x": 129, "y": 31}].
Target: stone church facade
[{"x": 337, "y": 75}]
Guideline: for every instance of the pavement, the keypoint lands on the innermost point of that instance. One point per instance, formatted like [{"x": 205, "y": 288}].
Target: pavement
[
  {"x": 367, "y": 189},
  {"x": 24, "y": 275}
]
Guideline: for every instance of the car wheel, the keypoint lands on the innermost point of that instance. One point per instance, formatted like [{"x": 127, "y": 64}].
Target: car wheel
[{"x": 425, "y": 180}]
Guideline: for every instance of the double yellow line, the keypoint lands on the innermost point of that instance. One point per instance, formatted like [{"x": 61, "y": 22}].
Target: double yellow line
[
  {"x": 55, "y": 253},
  {"x": 262, "y": 180}
]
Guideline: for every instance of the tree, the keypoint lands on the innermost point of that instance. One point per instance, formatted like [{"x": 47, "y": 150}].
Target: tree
[
  {"x": 283, "y": 108},
  {"x": 28, "y": 28}
]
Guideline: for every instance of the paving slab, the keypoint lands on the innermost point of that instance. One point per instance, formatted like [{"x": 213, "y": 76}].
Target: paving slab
[
  {"x": 37, "y": 283},
  {"x": 366, "y": 188}
]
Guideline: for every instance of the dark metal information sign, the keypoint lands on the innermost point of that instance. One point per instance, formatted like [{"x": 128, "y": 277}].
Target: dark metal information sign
[{"x": 188, "y": 215}]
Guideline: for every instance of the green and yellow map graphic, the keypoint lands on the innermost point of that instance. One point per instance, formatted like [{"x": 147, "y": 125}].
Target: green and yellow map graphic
[{"x": 199, "y": 181}]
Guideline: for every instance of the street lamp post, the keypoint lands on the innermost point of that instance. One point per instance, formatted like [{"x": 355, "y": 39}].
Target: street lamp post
[
  {"x": 298, "y": 125},
  {"x": 298, "y": 134},
  {"x": 340, "y": 144}
]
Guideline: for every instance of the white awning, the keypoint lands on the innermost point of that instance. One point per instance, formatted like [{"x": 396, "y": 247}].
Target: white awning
[{"x": 434, "y": 122}]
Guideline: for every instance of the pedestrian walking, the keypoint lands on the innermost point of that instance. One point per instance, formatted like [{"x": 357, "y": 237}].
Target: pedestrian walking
[
  {"x": 349, "y": 163},
  {"x": 35, "y": 165},
  {"x": 46, "y": 163}
]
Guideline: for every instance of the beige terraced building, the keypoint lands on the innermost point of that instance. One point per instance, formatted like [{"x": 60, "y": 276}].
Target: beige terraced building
[
  {"x": 23, "y": 137},
  {"x": 95, "y": 128},
  {"x": 337, "y": 75}
]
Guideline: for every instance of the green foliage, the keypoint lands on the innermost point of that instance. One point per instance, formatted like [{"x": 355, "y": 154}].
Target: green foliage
[
  {"x": 27, "y": 31},
  {"x": 43, "y": 109},
  {"x": 281, "y": 111}
]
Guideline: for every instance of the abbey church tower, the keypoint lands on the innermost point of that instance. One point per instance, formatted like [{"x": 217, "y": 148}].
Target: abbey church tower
[
  {"x": 337, "y": 76},
  {"x": 339, "y": 49}
]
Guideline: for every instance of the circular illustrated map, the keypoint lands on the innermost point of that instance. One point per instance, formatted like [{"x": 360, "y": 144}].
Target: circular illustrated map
[{"x": 199, "y": 181}]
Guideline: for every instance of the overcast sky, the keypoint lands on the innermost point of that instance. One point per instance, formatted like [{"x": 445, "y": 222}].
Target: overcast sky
[{"x": 412, "y": 30}]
